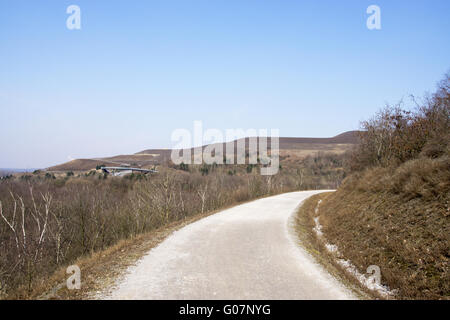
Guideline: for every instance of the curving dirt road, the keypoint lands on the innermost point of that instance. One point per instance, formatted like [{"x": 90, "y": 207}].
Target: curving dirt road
[{"x": 246, "y": 252}]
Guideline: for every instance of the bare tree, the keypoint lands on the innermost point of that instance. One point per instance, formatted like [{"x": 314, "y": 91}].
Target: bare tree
[{"x": 202, "y": 194}]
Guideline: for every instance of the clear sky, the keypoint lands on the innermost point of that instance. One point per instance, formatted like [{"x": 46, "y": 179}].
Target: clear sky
[{"x": 137, "y": 70}]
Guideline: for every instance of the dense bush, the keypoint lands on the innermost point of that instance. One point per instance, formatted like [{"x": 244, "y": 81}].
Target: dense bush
[{"x": 396, "y": 135}]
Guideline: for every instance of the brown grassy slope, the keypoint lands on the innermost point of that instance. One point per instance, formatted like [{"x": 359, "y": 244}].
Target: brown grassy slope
[
  {"x": 304, "y": 225},
  {"x": 346, "y": 138},
  {"x": 398, "y": 219}
]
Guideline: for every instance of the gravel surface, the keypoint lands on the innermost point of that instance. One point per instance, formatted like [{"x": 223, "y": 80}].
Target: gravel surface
[{"x": 245, "y": 252}]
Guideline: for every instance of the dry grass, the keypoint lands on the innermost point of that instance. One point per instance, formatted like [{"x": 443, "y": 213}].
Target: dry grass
[
  {"x": 304, "y": 224},
  {"x": 397, "y": 219},
  {"x": 393, "y": 210}
]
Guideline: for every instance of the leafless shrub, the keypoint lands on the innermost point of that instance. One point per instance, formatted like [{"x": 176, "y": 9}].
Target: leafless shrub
[
  {"x": 396, "y": 135},
  {"x": 49, "y": 223}
]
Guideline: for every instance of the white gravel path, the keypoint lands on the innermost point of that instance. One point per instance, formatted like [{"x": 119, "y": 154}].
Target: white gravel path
[{"x": 245, "y": 252}]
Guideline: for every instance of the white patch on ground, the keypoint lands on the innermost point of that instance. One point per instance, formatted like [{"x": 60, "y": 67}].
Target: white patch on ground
[
  {"x": 318, "y": 227},
  {"x": 367, "y": 281},
  {"x": 316, "y": 210},
  {"x": 331, "y": 248}
]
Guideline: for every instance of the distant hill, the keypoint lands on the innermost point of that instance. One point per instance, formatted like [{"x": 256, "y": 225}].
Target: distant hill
[
  {"x": 294, "y": 147},
  {"x": 349, "y": 137}
]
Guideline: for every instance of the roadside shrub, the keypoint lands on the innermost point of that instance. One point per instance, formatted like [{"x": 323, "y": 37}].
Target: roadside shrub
[
  {"x": 395, "y": 135},
  {"x": 392, "y": 210}
]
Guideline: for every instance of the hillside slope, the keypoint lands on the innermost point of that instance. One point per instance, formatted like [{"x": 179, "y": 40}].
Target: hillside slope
[
  {"x": 393, "y": 211},
  {"x": 398, "y": 220}
]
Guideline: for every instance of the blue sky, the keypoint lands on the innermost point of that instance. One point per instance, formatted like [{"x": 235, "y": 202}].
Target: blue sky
[{"x": 137, "y": 70}]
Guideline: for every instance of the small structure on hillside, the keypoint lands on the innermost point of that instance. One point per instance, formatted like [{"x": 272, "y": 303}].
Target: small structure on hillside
[{"x": 121, "y": 171}]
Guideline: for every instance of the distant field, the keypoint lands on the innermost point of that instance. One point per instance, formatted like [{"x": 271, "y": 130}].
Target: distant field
[{"x": 7, "y": 171}]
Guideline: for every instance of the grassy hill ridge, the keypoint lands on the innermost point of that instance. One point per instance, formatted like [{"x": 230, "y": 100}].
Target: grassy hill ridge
[{"x": 297, "y": 147}]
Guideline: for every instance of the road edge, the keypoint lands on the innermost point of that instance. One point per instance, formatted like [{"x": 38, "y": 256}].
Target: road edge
[{"x": 301, "y": 232}]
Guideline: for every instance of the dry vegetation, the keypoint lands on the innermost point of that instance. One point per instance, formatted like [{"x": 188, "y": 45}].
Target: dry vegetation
[
  {"x": 304, "y": 225},
  {"x": 49, "y": 221},
  {"x": 393, "y": 210}
]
